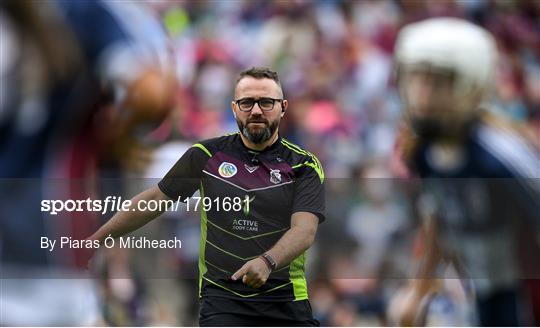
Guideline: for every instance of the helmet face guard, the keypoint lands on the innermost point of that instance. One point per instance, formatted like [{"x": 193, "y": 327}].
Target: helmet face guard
[
  {"x": 434, "y": 106},
  {"x": 444, "y": 69}
]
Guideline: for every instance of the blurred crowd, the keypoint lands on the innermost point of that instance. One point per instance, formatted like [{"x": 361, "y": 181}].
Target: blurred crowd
[{"x": 334, "y": 58}]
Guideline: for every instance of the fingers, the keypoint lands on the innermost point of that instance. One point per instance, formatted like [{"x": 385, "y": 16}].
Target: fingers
[
  {"x": 87, "y": 258},
  {"x": 251, "y": 277},
  {"x": 253, "y": 280},
  {"x": 240, "y": 273},
  {"x": 259, "y": 283}
]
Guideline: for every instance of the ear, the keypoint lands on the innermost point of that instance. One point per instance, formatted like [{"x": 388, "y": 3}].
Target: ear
[
  {"x": 284, "y": 106},
  {"x": 233, "y": 108}
]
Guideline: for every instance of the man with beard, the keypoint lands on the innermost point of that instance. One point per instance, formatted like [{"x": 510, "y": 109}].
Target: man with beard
[
  {"x": 262, "y": 199},
  {"x": 479, "y": 174}
]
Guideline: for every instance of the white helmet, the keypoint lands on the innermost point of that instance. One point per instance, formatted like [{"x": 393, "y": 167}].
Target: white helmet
[{"x": 454, "y": 45}]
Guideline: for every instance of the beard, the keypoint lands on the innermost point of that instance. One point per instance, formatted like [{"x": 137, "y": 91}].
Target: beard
[{"x": 258, "y": 136}]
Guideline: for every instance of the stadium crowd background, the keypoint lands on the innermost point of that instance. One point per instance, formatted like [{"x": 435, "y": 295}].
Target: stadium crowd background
[{"x": 335, "y": 62}]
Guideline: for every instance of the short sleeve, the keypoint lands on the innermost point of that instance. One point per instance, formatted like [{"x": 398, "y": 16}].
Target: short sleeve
[
  {"x": 309, "y": 193},
  {"x": 184, "y": 177}
]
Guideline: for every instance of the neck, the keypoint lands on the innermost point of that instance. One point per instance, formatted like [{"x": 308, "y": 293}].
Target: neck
[{"x": 262, "y": 145}]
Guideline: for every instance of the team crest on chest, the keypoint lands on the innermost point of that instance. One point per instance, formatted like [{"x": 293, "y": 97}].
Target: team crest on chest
[
  {"x": 227, "y": 170},
  {"x": 275, "y": 176},
  {"x": 251, "y": 169}
]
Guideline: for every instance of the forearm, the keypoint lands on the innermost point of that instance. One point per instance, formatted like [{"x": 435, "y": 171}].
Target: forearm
[
  {"x": 431, "y": 259},
  {"x": 294, "y": 242},
  {"x": 124, "y": 222}
]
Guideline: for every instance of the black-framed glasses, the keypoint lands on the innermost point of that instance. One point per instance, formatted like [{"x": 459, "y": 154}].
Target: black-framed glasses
[{"x": 265, "y": 104}]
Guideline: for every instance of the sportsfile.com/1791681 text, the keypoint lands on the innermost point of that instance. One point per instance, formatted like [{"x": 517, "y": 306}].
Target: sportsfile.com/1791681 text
[{"x": 116, "y": 204}]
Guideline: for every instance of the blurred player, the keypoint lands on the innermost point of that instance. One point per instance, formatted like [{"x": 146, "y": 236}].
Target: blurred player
[
  {"x": 479, "y": 175},
  {"x": 60, "y": 62}
]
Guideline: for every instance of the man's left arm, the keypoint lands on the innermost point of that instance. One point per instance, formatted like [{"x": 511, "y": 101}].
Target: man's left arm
[
  {"x": 308, "y": 211},
  {"x": 293, "y": 243}
]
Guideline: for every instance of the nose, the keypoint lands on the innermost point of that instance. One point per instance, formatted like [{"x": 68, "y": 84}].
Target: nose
[{"x": 256, "y": 110}]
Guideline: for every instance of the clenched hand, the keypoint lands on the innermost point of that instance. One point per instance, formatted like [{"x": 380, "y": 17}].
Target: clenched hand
[{"x": 254, "y": 273}]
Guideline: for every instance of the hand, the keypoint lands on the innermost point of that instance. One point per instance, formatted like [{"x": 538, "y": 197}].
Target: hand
[
  {"x": 254, "y": 273},
  {"x": 408, "y": 307},
  {"x": 411, "y": 314},
  {"x": 88, "y": 255}
]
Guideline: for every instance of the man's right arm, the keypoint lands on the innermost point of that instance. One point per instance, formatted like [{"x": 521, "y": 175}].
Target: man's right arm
[
  {"x": 181, "y": 181},
  {"x": 124, "y": 222}
]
